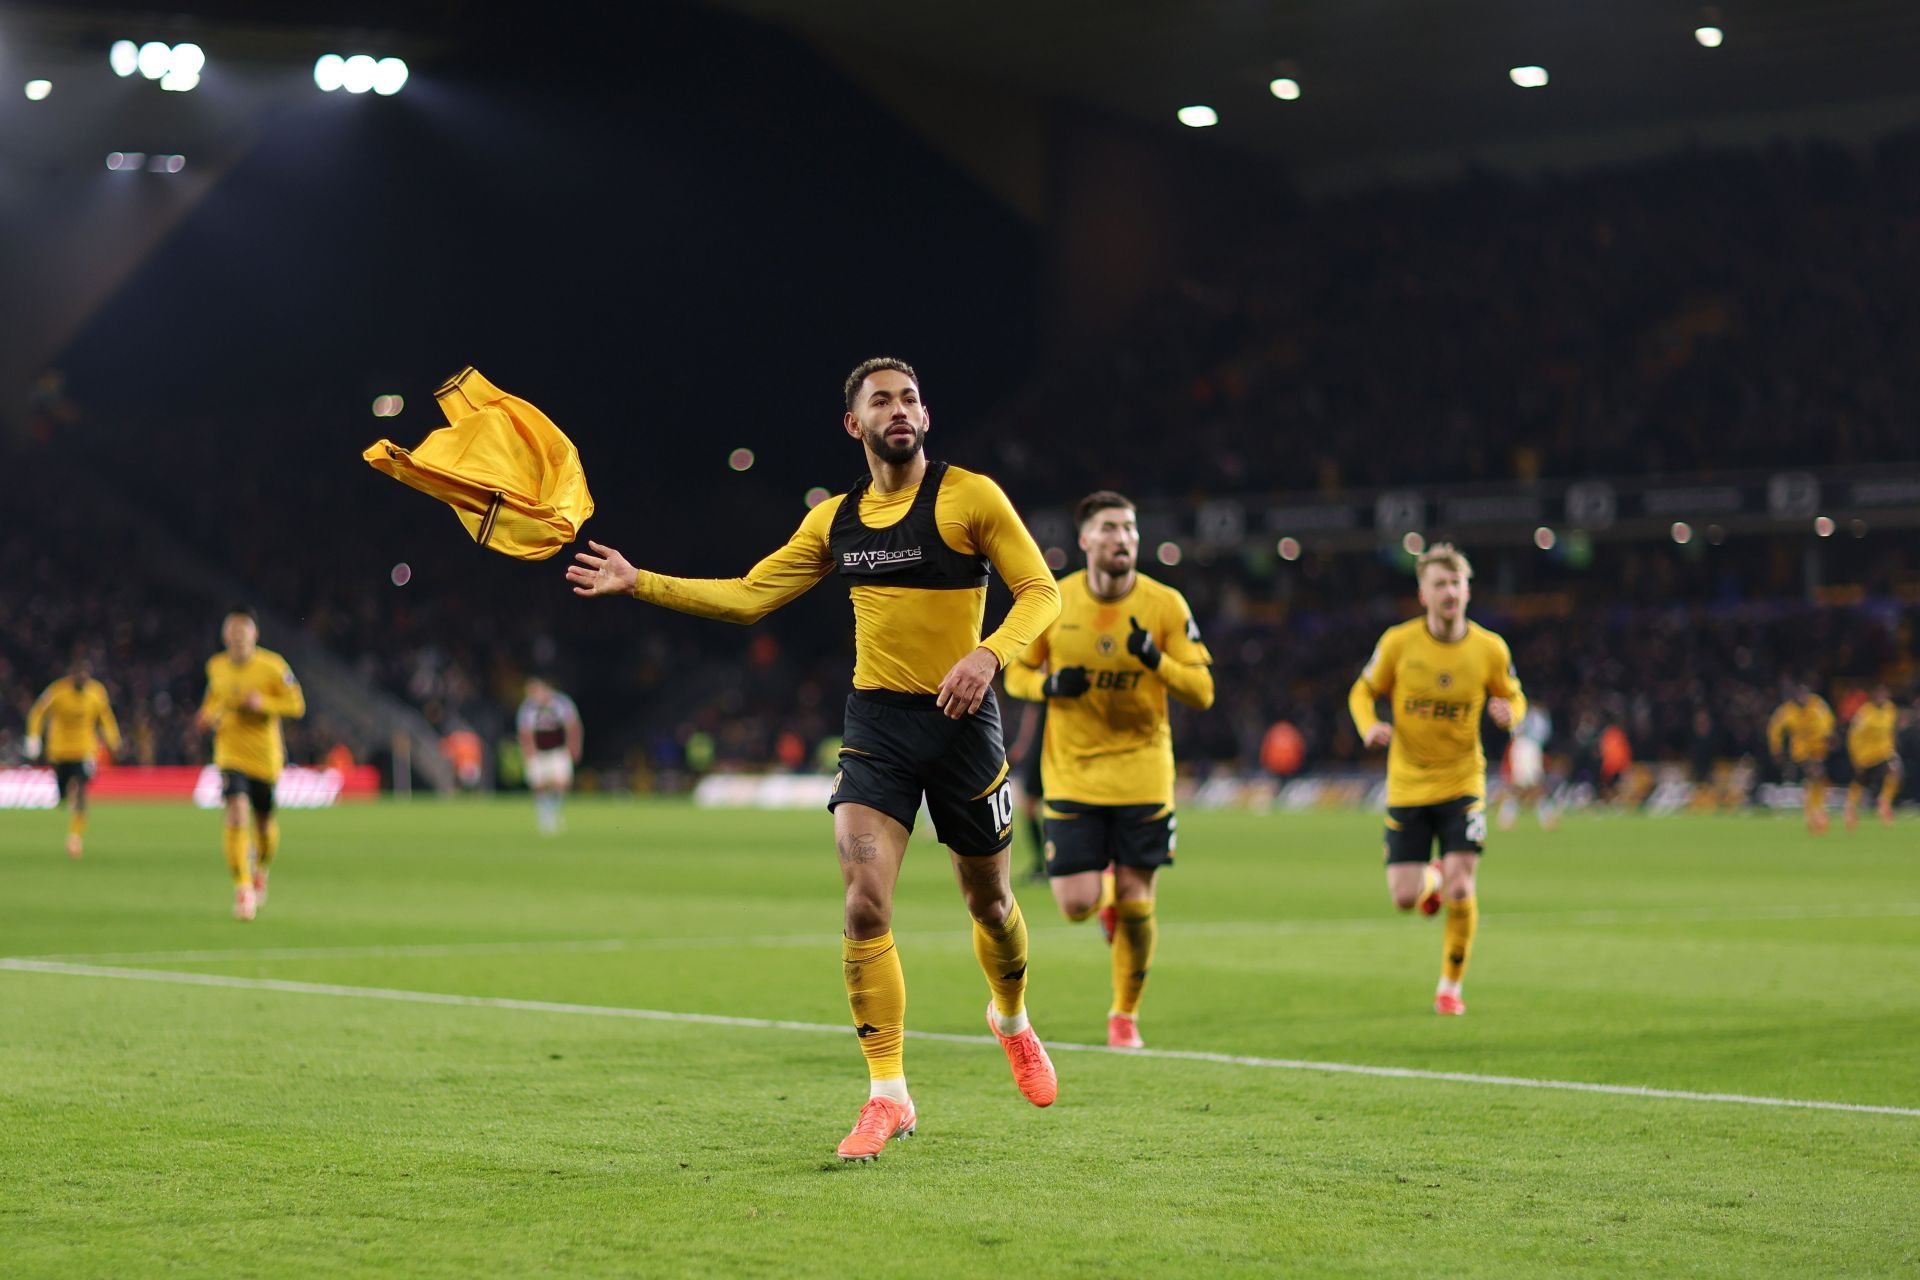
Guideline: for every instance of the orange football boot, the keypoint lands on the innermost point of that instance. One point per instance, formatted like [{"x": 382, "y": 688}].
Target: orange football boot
[
  {"x": 1032, "y": 1068},
  {"x": 880, "y": 1120}
]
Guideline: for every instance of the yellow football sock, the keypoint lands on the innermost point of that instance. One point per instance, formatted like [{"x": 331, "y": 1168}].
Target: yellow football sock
[
  {"x": 1816, "y": 797},
  {"x": 1133, "y": 940},
  {"x": 268, "y": 843},
  {"x": 877, "y": 994},
  {"x": 1854, "y": 791},
  {"x": 1002, "y": 952},
  {"x": 77, "y": 824},
  {"x": 1463, "y": 920},
  {"x": 233, "y": 841},
  {"x": 1889, "y": 787}
]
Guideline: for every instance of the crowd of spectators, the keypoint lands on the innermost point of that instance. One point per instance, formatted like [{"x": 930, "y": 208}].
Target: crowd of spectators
[
  {"x": 1708, "y": 311},
  {"x": 1705, "y": 312}
]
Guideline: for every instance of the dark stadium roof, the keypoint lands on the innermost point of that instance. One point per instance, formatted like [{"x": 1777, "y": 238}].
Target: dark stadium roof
[{"x": 1379, "y": 77}]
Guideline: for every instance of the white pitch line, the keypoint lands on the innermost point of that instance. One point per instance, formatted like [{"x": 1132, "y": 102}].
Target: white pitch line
[
  {"x": 1195, "y": 929},
  {"x": 818, "y": 1028}
]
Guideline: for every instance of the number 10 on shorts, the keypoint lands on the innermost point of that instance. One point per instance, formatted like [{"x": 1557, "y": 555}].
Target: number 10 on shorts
[{"x": 1000, "y": 806}]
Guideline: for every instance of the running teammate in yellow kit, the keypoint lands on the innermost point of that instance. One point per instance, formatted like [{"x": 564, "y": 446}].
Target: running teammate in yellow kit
[
  {"x": 1438, "y": 673},
  {"x": 1871, "y": 737},
  {"x": 1800, "y": 736},
  {"x": 75, "y": 717},
  {"x": 913, "y": 539},
  {"x": 1121, "y": 644},
  {"x": 249, "y": 691}
]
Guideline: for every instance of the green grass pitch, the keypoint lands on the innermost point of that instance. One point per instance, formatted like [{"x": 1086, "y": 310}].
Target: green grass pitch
[{"x": 250, "y": 1130}]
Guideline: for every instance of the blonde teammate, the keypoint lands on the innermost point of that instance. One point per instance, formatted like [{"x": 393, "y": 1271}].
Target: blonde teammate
[
  {"x": 1121, "y": 644},
  {"x": 250, "y": 690},
  {"x": 76, "y": 718},
  {"x": 913, "y": 539},
  {"x": 1438, "y": 673}
]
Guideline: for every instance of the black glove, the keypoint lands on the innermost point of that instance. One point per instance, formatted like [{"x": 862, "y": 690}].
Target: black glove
[
  {"x": 1068, "y": 682},
  {"x": 1141, "y": 646}
]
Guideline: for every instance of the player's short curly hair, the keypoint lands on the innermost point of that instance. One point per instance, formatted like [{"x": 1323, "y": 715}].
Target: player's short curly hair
[
  {"x": 1447, "y": 556},
  {"x": 866, "y": 368},
  {"x": 1097, "y": 501}
]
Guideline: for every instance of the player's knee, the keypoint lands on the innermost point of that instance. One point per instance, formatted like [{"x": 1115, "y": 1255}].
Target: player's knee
[
  {"x": 990, "y": 906},
  {"x": 868, "y": 914},
  {"x": 1405, "y": 901},
  {"x": 1078, "y": 909}
]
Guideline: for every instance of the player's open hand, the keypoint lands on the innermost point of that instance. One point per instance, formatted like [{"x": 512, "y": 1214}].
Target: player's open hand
[
  {"x": 1502, "y": 712},
  {"x": 601, "y": 571},
  {"x": 1380, "y": 735},
  {"x": 965, "y": 687}
]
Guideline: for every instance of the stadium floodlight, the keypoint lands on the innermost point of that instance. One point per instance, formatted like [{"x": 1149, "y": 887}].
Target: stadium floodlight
[
  {"x": 816, "y": 496},
  {"x": 1168, "y": 552},
  {"x": 1286, "y": 88},
  {"x": 180, "y": 81},
  {"x": 1823, "y": 526},
  {"x": 1198, "y": 117},
  {"x": 37, "y": 90},
  {"x": 1413, "y": 544},
  {"x": 740, "y": 459},
  {"x": 125, "y": 161},
  {"x": 1544, "y": 538},
  {"x": 154, "y": 59},
  {"x": 1709, "y": 37},
  {"x": 1529, "y": 77},
  {"x": 1289, "y": 548},
  {"x": 1682, "y": 532},
  {"x": 124, "y": 58},
  {"x": 388, "y": 406},
  {"x": 1056, "y": 558},
  {"x": 357, "y": 75},
  {"x": 389, "y": 76},
  {"x": 329, "y": 72},
  {"x": 188, "y": 59}
]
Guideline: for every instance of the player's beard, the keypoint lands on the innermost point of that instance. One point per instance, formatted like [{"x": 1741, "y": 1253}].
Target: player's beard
[{"x": 895, "y": 454}]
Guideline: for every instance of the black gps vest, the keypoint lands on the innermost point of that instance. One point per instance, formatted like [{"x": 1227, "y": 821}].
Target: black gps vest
[{"x": 908, "y": 554}]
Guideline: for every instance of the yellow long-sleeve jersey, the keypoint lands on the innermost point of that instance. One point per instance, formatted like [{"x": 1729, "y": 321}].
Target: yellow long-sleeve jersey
[
  {"x": 1437, "y": 689},
  {"x": 906, "y": 637},
  {"x": 249, "y": 740},
  {"x": 74, "y": 717},
  {"x": 1805, "y": 729},
  {"x": 1870, "y": 734},
  {"x": 1113, "y": 744}
]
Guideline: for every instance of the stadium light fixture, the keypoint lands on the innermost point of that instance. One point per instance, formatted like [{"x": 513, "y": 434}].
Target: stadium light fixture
[
  {"x": 124, "y": 58},
  {"x": 1823, "y": 526},
  {"x": 1529, "y": 77},
  {"x": 388, "y": 406},
  {"x": 1285, "y": 88},
  {"x": 1289, "y": 548},
  {"x": 166, "y": 164},
  {"x": 816, "y": 496},
  {"x": 154, "y": 59},
  {"x": 740, "y": 459},
  {"x": 389, "y": 76},
  {"x": 1544, "y": 538},
  {"x": 184, "y": 66},
  {"x": 357, "y": 75},
  {"x": 1056, "y": 558},
  {"x": 1709, "y": 37},
  {"x": 1682, "y": 532},
  {"x": 329, "y": 72},
  {"x": 37, "y": 90},
  {"x": 125, "y": 161},
  {"x": 1198, "y": 117},
  {"x": 1168, "y": 552},
  {"x": 1413, "y": 544}
]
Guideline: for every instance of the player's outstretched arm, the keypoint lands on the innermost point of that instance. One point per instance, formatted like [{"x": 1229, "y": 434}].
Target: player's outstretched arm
[{"x": 601, "y": 571}]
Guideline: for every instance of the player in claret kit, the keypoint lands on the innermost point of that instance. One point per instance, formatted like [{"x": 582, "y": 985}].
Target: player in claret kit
[{"x": 550, "y": 742}]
